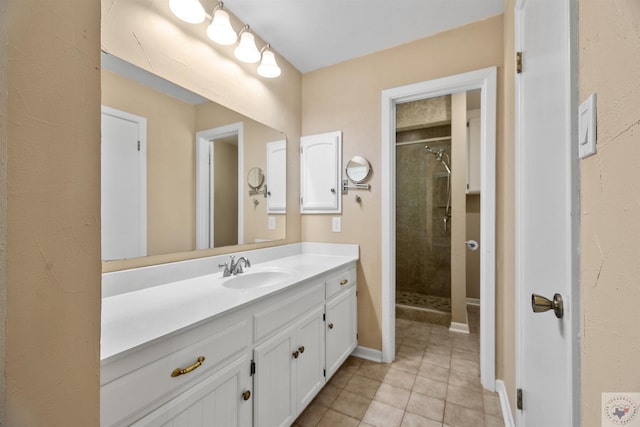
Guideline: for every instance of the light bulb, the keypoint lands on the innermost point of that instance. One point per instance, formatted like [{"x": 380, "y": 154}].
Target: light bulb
[
  {"x": 220, "y": 30},
  {"x": 247, "y": 50},
  {"x": 190, "y": 11},
  {"x": 268, "y": 67}
]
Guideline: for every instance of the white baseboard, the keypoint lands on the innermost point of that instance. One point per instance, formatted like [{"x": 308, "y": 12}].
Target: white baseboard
[
  {"x": 462, "y": 328},
  {"x": 473, "y": 301},
  {"x": 507, "y": 415},
  {"x": 368, "y": 354}
]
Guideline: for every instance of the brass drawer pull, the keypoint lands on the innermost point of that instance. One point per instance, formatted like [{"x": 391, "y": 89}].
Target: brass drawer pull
[
  {"x": 178, "y": 371},
  {"x": 296, "y": 354},
  {"x": 246, "y": 395},
  {"x": 301, "y": 348},
  {"x": 343, "y": 282},
  {"x": 330, "y": 325}
]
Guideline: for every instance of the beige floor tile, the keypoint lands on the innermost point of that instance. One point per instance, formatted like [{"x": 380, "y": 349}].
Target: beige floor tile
[
  {"x": 408, "y": 352},
  {"x": 492, "y": 404},
  {"x": 373, "y": 370},
  {"x": 426, "y": 406},
  {"x": 471, "y": 381},
  {"x": 341, "y": 378},
  {"x": 382, "y": 415},
  {"x": 491, "y": 421},
  {"x": 429, "y": 387},
  {"x": 327, "y": 395},
  {"x": 413, "y": 420},
  {"x": 363, "y": 386},
  {"x": 417, "y": 342},
  {"x": 465, "y": 366},
  {"x": 437, "y": 349},
  {"x": 434, "y": 372},
  {"x": 365, "y": 425},
  {"x": 311, "y": 416},
  {"x": 393, "y": 396},
  {"x": 336, "y": 419},
  {"x": 399, "y": 378},
  {"x": 439, "y": 359},
  {"x": 458, "y": 416},
  {"x": 408, "y": 365},
  {"x": 351, "y": 404},
  {"x": 352, "y": 363},
  {"x": 461, "y": 396},
  {"x": 464, "y": 354}
]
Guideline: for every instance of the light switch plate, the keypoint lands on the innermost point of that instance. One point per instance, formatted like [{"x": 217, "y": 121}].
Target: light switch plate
[
  {"x": 271, "y": 223},
  {"x": 587, "y": 127},
  {"x": 336, "y": 224}
]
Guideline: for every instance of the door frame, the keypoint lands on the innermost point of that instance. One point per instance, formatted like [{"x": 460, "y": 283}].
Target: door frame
[
  {"x": 523, "y": 298},
  {"x": 142, "y": 163},
  {"x": 485, "y": 80},
  {"x": 204, "y": 182}
]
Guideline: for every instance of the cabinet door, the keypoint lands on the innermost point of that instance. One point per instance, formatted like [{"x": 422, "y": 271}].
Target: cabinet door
[
  {"x": 216, "y": 401},
  {"x": 274, "y": 380},
  {"x": 310, "y": 360},
  {"x": 277, "y": 177},
  {"x": 320, "y": 159},
  {"x": 341, "y": 329}
]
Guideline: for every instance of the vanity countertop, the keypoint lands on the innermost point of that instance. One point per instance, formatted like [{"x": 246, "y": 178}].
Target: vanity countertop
[{"x": 130, "y": 320}]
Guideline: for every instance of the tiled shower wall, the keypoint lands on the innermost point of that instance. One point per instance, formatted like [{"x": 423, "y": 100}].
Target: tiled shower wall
[{"x": 423, "y": 248}]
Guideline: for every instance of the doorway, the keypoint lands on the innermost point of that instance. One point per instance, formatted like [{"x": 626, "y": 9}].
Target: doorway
[{"x": 485, "y": 81}]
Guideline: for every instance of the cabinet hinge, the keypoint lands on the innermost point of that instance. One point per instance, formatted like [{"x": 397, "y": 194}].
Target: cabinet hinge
[
  {"x": 138, "y": 145},
  {"x": 324, "y": 317},
  {"x": 357, "y": 335},
  {"x": 301, "y": 201},
  {"x": 324, "y": 372},
  {"x": 519, "y": 398},
  {"x": 301, "y": 150},
  {"x": 519, "y": 62},
  {"x": 252, "y": 370}
]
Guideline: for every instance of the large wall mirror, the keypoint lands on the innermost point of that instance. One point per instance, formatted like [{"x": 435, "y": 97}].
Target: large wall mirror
[{"x": 175, "y": 169}]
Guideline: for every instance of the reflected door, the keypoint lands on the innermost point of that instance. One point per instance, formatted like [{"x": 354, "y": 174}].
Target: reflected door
[{"x": 123, "y": 186}]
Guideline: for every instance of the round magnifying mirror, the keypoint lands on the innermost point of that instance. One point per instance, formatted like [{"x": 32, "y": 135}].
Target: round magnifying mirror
[
  {"x": 358, "y": 169},
  {"x": 255, "y": 178}
]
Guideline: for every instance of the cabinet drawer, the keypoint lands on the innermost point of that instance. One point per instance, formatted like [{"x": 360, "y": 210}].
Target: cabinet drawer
[
  {"x": 145, "y": 388},
  {"x": 285, "y": 310},
  {"x": 341, "y": 280}
]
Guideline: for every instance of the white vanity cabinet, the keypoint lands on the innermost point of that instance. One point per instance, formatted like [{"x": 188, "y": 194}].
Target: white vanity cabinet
[{"x": 341, "y": 319}]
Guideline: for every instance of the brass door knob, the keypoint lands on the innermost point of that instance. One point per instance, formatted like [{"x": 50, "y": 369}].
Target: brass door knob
[
  {"x": 296, "y": 354},
  {"x": 330, "y": 325},
  {"x": 540, "y": 304},
  {"x": 246, "y": 395},
  {"x": 301, "y": 348}
]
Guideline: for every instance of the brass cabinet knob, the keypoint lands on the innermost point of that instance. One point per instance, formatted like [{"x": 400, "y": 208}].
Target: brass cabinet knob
[
  {"x": 330, "y": 325},
  {"x": 296, "y": 354},
  {"x": 246, "y": 395},
  {"x": 301, "y": 348},
  {"x": 181, "y": 371}
]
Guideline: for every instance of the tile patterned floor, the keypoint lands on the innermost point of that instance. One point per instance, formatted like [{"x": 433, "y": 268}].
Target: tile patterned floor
[
  {"x": 424, "y": 301},
  {"x": 434, "y": 382}
]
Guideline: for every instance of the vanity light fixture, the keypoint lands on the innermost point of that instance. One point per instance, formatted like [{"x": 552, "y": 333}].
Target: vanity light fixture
[
  {"x": 247, "y": 50},
  {"x": 190, "y": 11},
  {"x": 220, "y": 29},
  {"x": 268, "y": 67}
]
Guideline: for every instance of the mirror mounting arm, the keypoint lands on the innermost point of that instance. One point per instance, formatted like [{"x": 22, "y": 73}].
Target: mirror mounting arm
[{"x": 346, "y": 186}]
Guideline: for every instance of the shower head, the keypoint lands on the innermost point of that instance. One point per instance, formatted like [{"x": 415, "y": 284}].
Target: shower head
[{"x": 439, "y": 156}]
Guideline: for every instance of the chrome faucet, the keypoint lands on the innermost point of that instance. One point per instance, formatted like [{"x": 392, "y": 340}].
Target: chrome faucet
[{"x": 234, "y": 267}]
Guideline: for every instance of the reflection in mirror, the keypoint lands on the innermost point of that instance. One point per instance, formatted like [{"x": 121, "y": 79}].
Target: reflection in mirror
[
  {"x": 172, "y": 179},
  {"x": 255, "y": 178},
  {"x": 358, "y": 169}
]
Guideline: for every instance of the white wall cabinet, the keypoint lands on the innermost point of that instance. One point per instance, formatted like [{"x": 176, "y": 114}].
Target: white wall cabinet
[
  {"x": 277, "y": 177},
  {"x": 473, "y": 152},
  {"x": 263, "y": 363},
  {"x": 320, "y": 173}
]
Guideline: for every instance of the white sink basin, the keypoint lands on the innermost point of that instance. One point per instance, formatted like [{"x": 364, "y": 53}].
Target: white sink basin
[{"x": 257, "y": 279}]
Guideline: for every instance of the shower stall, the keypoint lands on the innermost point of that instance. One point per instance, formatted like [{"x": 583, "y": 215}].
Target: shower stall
[{"x": 423, "y": 222}]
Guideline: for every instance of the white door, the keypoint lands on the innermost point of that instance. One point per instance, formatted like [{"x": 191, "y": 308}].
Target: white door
[
  {"x": 341, "y": 329},
  {"x": 320, "y": 160},
  {"x": 123, "y": 192},
  {"x": 547, "y": 213},
  {"x": 277, "y": 176},
  {"x": 310, "y": 357}
]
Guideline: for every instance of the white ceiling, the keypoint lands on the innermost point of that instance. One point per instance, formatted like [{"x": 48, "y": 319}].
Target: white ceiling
[{"x": 312, "y": 34}]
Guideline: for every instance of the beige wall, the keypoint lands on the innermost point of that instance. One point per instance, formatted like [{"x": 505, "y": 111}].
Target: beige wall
[
  {"x": 346, "y": 97},
  {"x": 52, "y": 114},
  {"x": 211, "y": 71},
  {"x": 609, "y": 38}
]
